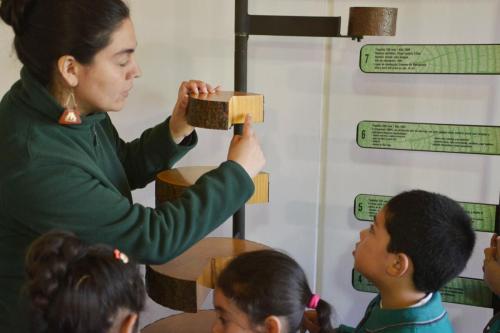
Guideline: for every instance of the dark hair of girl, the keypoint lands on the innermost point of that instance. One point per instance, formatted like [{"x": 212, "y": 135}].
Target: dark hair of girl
[
  {"x": 79, "y": 288},
  {"x": 49, "y": 29},
  {"x": 269, "y": 283}
]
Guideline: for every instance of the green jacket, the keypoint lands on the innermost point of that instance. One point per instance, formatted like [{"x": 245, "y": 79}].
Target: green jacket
[
  {"x": 428, "y": 318},
  {"x": 79, "y": 178},
  {"x": 494, "y": 325}
]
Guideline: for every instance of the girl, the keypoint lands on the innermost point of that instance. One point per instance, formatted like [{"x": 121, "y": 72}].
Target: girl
[
  {"x": 265, "y": 291},
  {"x": 74, "y": 287}
]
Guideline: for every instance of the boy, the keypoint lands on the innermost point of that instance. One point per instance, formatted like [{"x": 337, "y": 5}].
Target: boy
[
  {"x": 491, "y": 270},
  {"x": 417, "y": 243}
]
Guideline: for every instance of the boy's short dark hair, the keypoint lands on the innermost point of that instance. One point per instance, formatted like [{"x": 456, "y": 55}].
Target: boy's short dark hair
[{"x": 434, "y": 231}]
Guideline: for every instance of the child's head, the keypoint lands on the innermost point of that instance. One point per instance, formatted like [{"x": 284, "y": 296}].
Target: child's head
[
  {"x": 425, "y": 236},
  {"x": 74, "y": 287},
  {"x": 265, "y": 291}
]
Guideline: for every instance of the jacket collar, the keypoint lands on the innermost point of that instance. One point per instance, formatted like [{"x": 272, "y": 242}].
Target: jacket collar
[
  {"x": 379, "y": 319},
  {"x": 38, "y": 98}
]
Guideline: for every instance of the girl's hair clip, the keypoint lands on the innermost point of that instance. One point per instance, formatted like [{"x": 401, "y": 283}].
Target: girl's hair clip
[
  {"x": 313, "y": 302},
  {"x": 120, "y": 256}
]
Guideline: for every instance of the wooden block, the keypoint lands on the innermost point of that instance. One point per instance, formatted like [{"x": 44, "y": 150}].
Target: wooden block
[
  {"x": 372, "y": 21},
  {"x": 170, "y": 184},
  {"x": 200, "y": 322},
  {"x": 184, "y": 282},
  {"x": 224, "y": 108}
]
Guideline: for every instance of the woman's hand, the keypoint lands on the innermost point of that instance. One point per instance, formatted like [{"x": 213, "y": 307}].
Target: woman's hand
[
  {"x": 310, "y": 322},
  {"x": 179, "y": 128},
  {"x": 245, "y": 150},
  {"x": 491, "y": 266}
]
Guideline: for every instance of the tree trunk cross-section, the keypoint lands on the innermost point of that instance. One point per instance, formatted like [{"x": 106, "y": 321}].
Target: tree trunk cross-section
[
  {"x": 170, "y": 184},
  {"x": 184, "y": 282},
  {"x": 223, "y": 109},
  {"x": 372, "y": 21},
  {"x": 200, "y": 322}
]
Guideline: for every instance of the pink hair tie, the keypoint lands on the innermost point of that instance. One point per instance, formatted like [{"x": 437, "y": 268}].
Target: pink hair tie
[{"x": 313, "y": 303}]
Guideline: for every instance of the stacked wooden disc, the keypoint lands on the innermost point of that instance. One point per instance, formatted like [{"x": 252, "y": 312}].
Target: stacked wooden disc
[
  {"x": 224, "y": 108},
  {"x": 185, "y": 282},
  {"x": 200, "y": 322},
  {"x": 170, "y": 184},
  {"x": 372, "y": 21}
]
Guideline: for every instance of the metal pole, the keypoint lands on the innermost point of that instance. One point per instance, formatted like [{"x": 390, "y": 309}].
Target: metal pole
[{"x": 240, "y": 84}]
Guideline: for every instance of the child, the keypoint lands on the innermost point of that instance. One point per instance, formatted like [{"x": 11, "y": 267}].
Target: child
[
  {"x": 265, "y": 291},
  {"x": 417, "y": 243},
  {"x": 74, "y": 287},
  {"x": 491, "y": 269}
]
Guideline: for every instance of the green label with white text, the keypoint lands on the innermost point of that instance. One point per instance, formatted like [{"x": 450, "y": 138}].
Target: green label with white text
[
  {"x": 431, "y": 59},
  {"x": 466, "y": 139},
  {"x": 460, "y": 290},
  {"x": 366, "y": 207}
]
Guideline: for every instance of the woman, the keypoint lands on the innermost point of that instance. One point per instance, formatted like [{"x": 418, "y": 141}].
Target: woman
[{"x": 63, "y": 165}]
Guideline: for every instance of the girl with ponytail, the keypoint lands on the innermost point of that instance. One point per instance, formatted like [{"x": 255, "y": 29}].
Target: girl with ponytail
[
  {"x": 74, "y": 287},
  {"x": 266, "y": 291}
]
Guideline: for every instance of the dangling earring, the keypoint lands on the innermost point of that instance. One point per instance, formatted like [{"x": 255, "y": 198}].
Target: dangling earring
[{"x": 70, "y": 116}]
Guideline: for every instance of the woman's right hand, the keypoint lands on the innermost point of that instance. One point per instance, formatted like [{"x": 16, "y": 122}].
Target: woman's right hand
[{"x": 245, "y": 150}]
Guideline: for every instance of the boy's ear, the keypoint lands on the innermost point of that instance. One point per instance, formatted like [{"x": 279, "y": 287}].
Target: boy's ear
[
  {"x": 129, "y": 323},
  {"x": 273, "y": 324},
  {"x": 67, "y": 68},
  {"x": 399, "y": 265}
]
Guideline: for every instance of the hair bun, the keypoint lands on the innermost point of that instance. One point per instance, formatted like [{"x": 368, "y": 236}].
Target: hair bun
[
  {"x": 47, "y": 263},
  {"x": 13, "y": 12}
]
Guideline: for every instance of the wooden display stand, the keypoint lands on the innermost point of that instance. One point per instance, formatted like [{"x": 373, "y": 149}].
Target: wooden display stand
[
  {"x": 184, "y": 282},
  {"x": 224, "y": 108},
  {"x": 200, "y": 322},
  {"x": 170, "y": 184}
]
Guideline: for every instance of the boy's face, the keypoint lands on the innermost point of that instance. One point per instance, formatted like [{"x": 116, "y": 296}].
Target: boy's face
[{"x": 370, "y": 255}]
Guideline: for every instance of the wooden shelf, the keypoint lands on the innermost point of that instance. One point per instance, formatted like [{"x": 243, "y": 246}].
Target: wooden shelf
[
  {"x": 170, "y": 184},
  {"x": 200, "y": 322},
  {"x": 184, "y": 282},
  {"x": 224, "y": 108}
]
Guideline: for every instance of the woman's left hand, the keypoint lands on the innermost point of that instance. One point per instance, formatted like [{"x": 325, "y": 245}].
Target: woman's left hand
[
  {"x": 179, "y": 128},
  {"x": 491, "y": 265}
]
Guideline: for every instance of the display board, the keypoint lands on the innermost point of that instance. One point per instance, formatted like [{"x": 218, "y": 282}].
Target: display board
[
  {"x": 366, "y": 207},
  {"x": 431, "y": 59},
  {"x": 467, "y": 291},
  {"x": 466, "y": 139}
]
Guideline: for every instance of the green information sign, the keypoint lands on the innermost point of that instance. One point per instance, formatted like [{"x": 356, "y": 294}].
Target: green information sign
[
  {"x": 483, "y": 215},
  {"x": 431, "y": 59},
  {"x": 460, "y": 290},
  {"x": 465, "y": 139}
]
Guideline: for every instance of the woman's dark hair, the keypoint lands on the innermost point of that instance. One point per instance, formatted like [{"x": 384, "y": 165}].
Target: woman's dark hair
[
  {"x": 269, "y": 283},
  {"x": 79, "y": 288},
  {"x": 49, "y": 29},
  {"x": 434, "y": 231}
]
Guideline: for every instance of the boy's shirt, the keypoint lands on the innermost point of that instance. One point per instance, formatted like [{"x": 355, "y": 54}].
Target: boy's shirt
[
  {"x": 494, "y": 325},
  {"x": 428, "y": 318}
]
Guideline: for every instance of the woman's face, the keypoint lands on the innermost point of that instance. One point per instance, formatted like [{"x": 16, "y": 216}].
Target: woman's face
[
  {"x": 230, "y": 319},
  {"x": 104, "y": 84}
]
